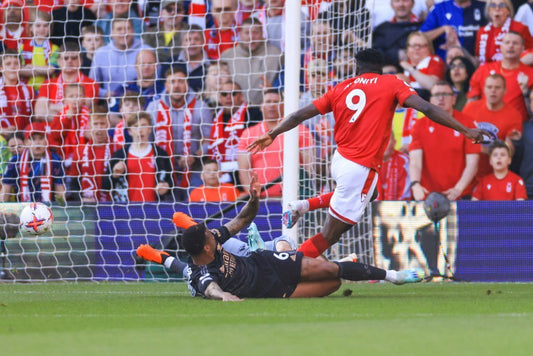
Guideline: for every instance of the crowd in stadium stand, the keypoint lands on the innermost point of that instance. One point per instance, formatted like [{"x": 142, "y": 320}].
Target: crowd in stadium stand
[{"x": 149, "y": 101}]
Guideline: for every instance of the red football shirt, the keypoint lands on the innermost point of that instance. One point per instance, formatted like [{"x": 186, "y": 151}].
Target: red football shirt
[
  {"x": 489, "y": 39},
  {"x": 89, "y": 163},
  {"x": 50, "y": 88},
  {"x": 445, "y": 150},
  {"x": 217, "y": 41},
  {"x": 431, "y": 65},
  {"x": 509, "y": 188},
  {"x": 501, "y": 123},
  {"x": 514, "y": 95},
  {"x": 363, "y": 108},
  {"x": 16, "y": 107},
  {"x": 141, "y": 177}
]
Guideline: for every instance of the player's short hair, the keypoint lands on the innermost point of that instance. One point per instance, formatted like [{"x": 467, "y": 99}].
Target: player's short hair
[
  {"x": 274, "y": 91},
  {"x": 193, "y": 239},
  {"x": 206, "y": 160},
  {"x": 499, "y": 144},
  {"x": 369, "y": 60},
  {"x": 497, "y": 76}
]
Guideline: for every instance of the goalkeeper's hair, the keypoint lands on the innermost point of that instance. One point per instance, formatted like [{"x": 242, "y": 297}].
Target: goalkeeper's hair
[
  {"x": 369, "y": 61},
  {"x": 193, "y": 239}
]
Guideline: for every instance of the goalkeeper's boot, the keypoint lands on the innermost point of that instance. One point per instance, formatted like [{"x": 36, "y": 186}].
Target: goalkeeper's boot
[
  {"x": 255, "y": 241},
  {"x": 295, "y": 210},
  {"x": 413, "y": 275},
  {"x": 149, "y": 253}
]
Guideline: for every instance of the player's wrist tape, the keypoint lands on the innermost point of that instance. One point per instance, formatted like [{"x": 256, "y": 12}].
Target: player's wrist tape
[{"x": 413, "y": 184}]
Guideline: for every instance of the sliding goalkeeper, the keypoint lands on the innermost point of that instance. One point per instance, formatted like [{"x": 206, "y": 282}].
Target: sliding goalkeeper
[{"x": 215, "y": 273}]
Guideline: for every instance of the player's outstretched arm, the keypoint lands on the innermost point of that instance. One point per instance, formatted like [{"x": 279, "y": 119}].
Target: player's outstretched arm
[
  {"x": 249, "y": 211},
  {"x": 213, "y": 291},
  {"x": 290, "y": 122},
  {"x": 441, "y": 117}
]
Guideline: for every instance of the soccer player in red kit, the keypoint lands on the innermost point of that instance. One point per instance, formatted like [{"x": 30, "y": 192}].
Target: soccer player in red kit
[{"x": 363, "y": 108}]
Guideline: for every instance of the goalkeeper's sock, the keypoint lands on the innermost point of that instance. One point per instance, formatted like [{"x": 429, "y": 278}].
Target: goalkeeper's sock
[
  {"x": 322, "y": 201},
  {"x": 355, "y": 271},
  {"x": 174, "y": 265},
  {"x": 315, "y": 246}
]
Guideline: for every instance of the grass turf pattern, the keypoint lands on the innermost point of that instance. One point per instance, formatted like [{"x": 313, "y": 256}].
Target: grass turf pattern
[{"x": 161, "y": 318}]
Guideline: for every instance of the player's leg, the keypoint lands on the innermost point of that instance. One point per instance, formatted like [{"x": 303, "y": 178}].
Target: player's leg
[
  {"x": 316, "y": 289},
  {"x": 296, "y": 209},
  {"x": 354, "y": 191},
  {"x": 318, "y": 270}
]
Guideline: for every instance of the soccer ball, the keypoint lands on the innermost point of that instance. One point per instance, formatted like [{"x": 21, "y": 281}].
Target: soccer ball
[{"x": 36, "y": 218}]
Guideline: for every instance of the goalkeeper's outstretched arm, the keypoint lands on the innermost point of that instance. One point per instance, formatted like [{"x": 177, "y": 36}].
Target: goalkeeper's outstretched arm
[{"x": 249, "y": 211}]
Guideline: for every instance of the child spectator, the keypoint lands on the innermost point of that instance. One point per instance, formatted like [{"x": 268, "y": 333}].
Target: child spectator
[
  {"x": 92, "y": 38},
  {"x": 13, "y": 17},
  {"x": 90, "y": 159},
  {"x": 15, "y": 143},
  {"x": 130, "y": 104},
  {"x": 213, "y": 190},
  {"x": 50, "y": 100},
  {"x": 36, "y": 174},
  {"x": 16, "y": 98},
  {"x": 140, "y": 171},
  {"x": 69, "y": 20},
  {"x": 217, "y": 74},
  {"x": 39, "y": 54},
  {"x": 501, "y": 184},
  {"x": 70, "y": 127}
]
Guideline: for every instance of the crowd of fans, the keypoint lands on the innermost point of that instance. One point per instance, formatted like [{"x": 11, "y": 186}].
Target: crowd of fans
[{"x": 156, "y": 101}]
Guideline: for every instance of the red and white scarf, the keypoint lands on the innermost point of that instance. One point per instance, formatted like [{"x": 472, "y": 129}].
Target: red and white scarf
[
  {"x": 91, "y": 179},
  {"x": 61, "y": 86},
  {"x": 325, "y": 133},
  {"x": 224, "y": 139},
  {"x": 489, "y": 46},
  {"x": 164, "y": 136},
  {"x": 46, "y": 178},
  {"x": 118, "y": 136},
  {"x": 19, "y": 113}
]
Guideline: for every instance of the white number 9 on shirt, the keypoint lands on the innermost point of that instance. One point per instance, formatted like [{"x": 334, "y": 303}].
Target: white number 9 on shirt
[{"x": 358, "y": 108}]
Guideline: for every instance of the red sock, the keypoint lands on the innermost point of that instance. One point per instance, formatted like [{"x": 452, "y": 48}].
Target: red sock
[
  {"x": 315, "y": 246},
  {"x": 322, "y": 201}
]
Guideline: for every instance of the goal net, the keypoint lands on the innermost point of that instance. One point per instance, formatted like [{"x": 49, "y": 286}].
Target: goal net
[{"x": 119, "y": 113}]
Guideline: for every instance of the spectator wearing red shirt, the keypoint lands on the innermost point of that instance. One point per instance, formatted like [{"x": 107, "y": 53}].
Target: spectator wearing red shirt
[
  {"x": 140, "y": 171},
  {"x": 500, "y": 14},
  {"x": 394, "y": 176},
  {"x": 363, "y": 113},
  {"x": 14, "y": 17},
  {"x": 213, "y": 190},
  {"x": 50, "y": 100},
  {"x": 441, "y": 159},
  {"x": 518, "y": 76},
  {"x": 423, "y": 67},
  {"x": 268, "y": 164},
  {"x": 492, "y": 114},
  {"x": 70, "y": 128},
  {"x": 16, "y": 98},
  {"x": 90, "y": 159},
  {"x": 224, "y": 35},
  {"x": 501, "y": 184}
]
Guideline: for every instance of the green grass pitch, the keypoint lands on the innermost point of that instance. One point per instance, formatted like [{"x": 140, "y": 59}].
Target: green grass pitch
[{"x": 158, "y": 319}]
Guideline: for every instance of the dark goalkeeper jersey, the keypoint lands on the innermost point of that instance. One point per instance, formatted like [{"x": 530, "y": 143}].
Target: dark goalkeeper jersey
[{"x": 263, "y": 274}]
